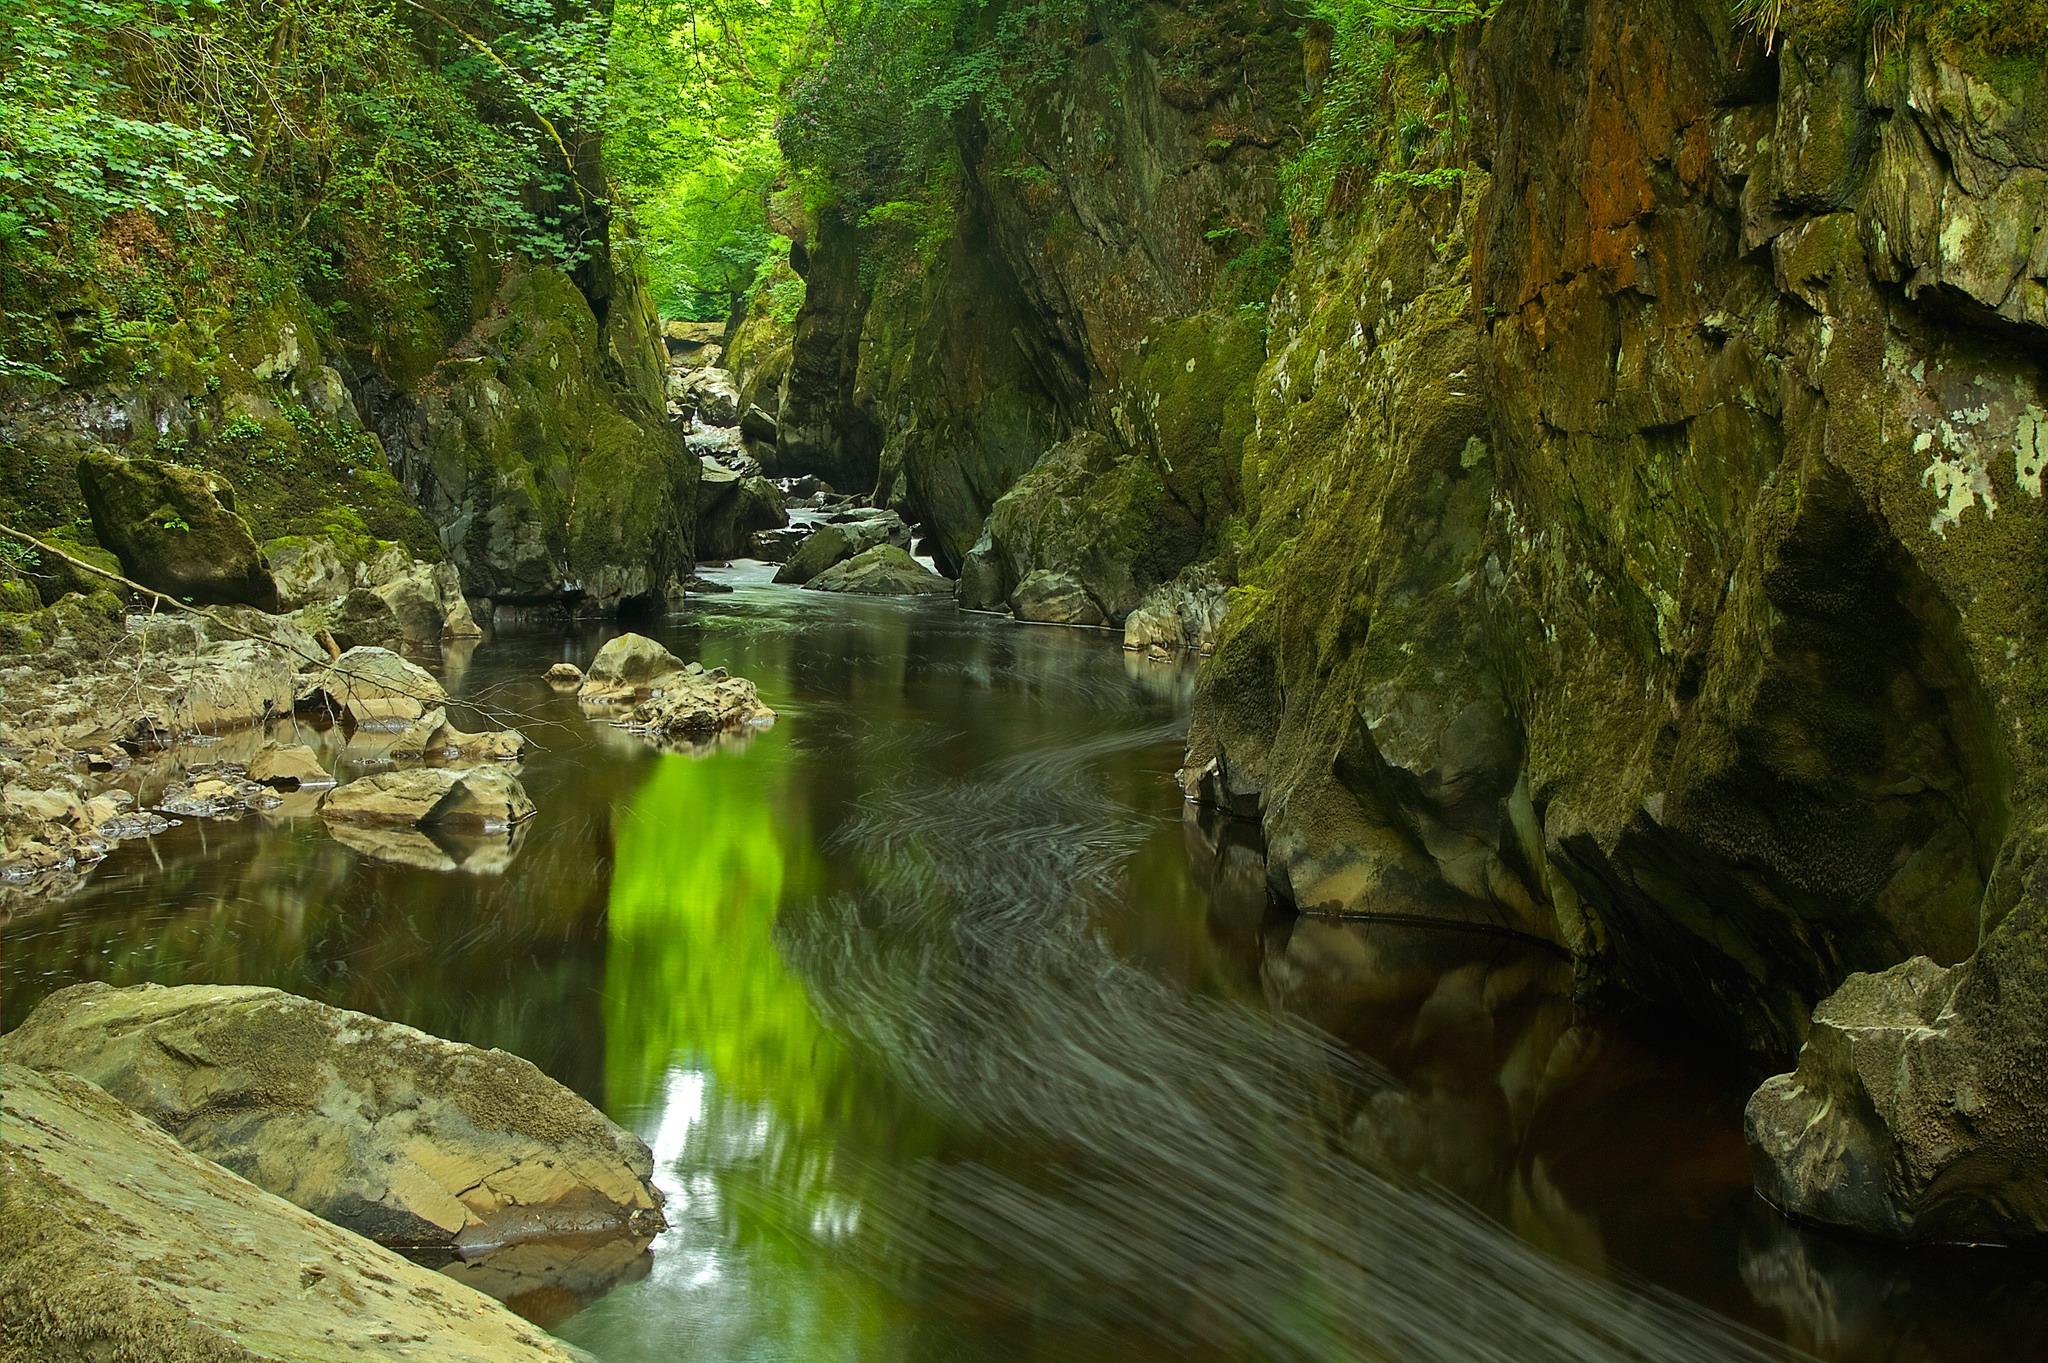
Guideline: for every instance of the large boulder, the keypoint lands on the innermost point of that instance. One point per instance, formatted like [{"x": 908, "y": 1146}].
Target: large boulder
[
  {"x": 731, "y": 508},
  {"x": 883, "y": 570},
  {"x": 487, "y": 798},
  {"x": 627, "y": 667},
  {"x": 696, "y": 702},
  {"x": 118, "y": 1243},
  {"x": 175, "y": 530},
  {"x": 1051, "y": 598},
  {"x": 1182, "y": 616},
  {"x": 712, "y": 392},
  {"x": 1919, "y": 1109},
  {"x": 827, "y": 545},
  {"x": 397, "y": 1135}
]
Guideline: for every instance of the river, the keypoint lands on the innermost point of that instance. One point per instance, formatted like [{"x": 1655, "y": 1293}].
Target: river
[{"x": 955, "y": 1039}]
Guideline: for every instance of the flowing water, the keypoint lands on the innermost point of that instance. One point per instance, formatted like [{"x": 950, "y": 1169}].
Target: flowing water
[{"x": 955, "y": 1039}]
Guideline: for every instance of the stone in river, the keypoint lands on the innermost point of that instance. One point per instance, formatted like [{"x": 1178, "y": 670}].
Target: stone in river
[
  {"x": 374, "y": 686},
  {"x": 118, "y": 1243},
  {"x": 884, "y": 570},
  {"x": 293, "y": 766},
  {"x": 478, "y": 798},
  {"x": 627, "y": 667},
  {"x": 396, "y": 1135},
  {"x": 564, "y": 676},
  {"x": 1055, "y": 599}
]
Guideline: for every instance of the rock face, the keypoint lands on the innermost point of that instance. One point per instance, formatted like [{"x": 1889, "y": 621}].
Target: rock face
[
  {"x": 175, "y": 529},
  {"x": 1919, "y": 1111},
  {"x": 117, "y": 1242},
  {"x": 477, "y": 799},
  {"x": 883, "y": 570},
  {"x": 394, "y": 1134},
  {"x": 731, "y": 509},
  {"x": 1184, "y": 616},
  {"x": 541, "y": 452}
]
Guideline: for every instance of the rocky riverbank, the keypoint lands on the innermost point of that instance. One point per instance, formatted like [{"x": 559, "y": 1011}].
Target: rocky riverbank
[{"x": 222, "y": 1212}]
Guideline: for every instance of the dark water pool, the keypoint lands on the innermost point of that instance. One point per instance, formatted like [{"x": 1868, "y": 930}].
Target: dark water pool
[{"x": 955, "y": 1040}]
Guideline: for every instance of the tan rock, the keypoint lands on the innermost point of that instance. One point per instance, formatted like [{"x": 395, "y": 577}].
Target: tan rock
[
  {"x": 118, "y": 1243},
  {"x": 293, "y": 766},
  {"x": 431, "y": 736},
  {"x": 627, "y": 667},
  {"x": 374, "y": 686},
  {"x": 396, "y": 1134},
  {"x": 476, "y": 797}
]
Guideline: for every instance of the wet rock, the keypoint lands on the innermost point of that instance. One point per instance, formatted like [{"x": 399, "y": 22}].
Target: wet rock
[
  {"x": 203, "y": 1261},
  {"x": 564, "y": 676},
  {"x": 175, "y": 529},
  {"x": 487, "y": 798},
  {"x": 373, "y": 687},
  {"x": 884, "y": 570},
  {"x": 758, "y": 425},
  {"x": 627, "y": 667},
  {"x": 395, "y": 1134},
  {"x": 291, "y": 766},
  {"x": 1055, "y": 598},
  {"x": 1919, "y": 1109}
]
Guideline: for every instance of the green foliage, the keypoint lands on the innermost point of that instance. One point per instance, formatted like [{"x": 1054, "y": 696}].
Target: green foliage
[
  {"x": 1881, "y": 27},
  {"x": 1388, "y": 94},
  {"x": 157, "y": 152}
]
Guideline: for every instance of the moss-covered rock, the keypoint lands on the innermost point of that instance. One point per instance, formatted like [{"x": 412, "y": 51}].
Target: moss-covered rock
[
  {"x": 551, "y": 472},
  {"x": 175, "y": 530}
]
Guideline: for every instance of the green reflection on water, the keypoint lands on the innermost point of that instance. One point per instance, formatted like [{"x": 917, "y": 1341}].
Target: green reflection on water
[{"x": 717, "y": 1058}]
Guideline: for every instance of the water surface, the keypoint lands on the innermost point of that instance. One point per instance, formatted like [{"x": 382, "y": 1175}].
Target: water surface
[{"x": 955, "y": 1039}]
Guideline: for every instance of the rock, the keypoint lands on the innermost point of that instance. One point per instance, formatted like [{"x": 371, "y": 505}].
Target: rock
[
  {"x": 457, "y": 622},
  {"x": 374, "y": 687},
  {"x": 486, "y": 798},
  {"x": 224, "y": 686},
  {"x": 776, "y": 546},
  {"x": 308, "y": 569},
  {"x": 758, "y": 425},
  {"x": 826, "y": 546},
  {"x": 397, "y": 1135},
  {"x": 716, "y": 400},
  {"x": 1182, "y": 616},
  {"x": 1054, "y": 598},
  {"x": 432, "y": 736},
  {"x": 175, "y": 529},
  {"x": 884, "y": 570},
  {"x": 730, "y": 508},
  {"x": 1919, "y": 1109},
  {"x": 627, "y": 667},
  {"x": 292, "y": 766},
  {"x": 204, "y": 1267},
  {"x": 564, "y": 676},
  {"x": 696, "y": 702},
  {"x": 414, "y": 598},
  {"x": 542, "y": 454}
]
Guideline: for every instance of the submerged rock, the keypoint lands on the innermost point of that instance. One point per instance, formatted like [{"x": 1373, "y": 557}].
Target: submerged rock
[
  {"x": 884, "y": 570},
  {"x": 222, "y": 792},
  {"x": 1919, "y": 1110},
  {"x": 118, "y": 1243},
  {"x": 175, "y": 529},
  {"x": 486, "y": 798},
  {"x": 395, "y": 1134}
]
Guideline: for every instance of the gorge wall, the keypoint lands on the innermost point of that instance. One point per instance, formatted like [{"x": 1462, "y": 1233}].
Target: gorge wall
[{"x": 1634, "y": 529}]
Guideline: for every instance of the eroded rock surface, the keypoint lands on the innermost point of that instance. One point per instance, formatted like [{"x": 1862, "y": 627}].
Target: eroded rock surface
[
  {"x": 116, "y": 1242},
  {"x": 397, "y": 1135}
]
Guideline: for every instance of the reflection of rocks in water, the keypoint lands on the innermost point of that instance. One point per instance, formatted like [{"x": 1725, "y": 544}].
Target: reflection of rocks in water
[
  {"x": 434, "y": 848},
  {"x": 1845, "y": 1298},
  {"x": 1228, "y": 859},
  {"x": 1495, "y": 1089},
  {"x": 548, "y": 1281},
  {"x": 1164, "y": 678}
]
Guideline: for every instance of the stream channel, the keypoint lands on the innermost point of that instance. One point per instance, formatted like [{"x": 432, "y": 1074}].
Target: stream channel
[{"x": 955, "y": 1039}]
